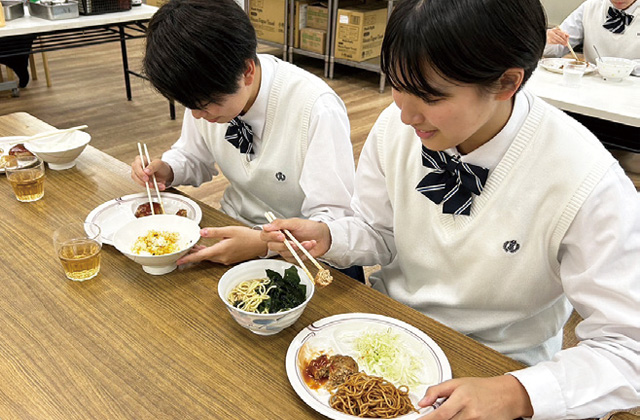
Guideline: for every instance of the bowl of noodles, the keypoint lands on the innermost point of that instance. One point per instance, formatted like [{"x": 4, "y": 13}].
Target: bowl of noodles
[
  {"x": 265, "y": 296},
  {"x": 157, "y": 242}
]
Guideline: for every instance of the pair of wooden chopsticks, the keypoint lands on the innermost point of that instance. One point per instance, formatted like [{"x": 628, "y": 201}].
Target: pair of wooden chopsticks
[
  {"x": 323, "y": 277},
  {"x": 575, "y": 57},
  {"x": 26, "y": 139},
  {"x": 155, "y": 183}
]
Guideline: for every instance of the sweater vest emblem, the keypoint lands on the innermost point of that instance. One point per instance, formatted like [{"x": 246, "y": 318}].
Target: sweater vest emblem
[
  {"x": 511, "y": 246},
  {"x": 280, "y": 176}
]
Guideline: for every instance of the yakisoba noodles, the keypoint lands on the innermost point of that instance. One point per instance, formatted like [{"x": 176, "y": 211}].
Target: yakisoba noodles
[
  {"x": 362, "y": 395},
  {"x": 248, "y": 295}
]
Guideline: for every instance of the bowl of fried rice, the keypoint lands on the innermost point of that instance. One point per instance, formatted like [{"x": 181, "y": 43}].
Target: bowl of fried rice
[{"x": 157, "y": 242}]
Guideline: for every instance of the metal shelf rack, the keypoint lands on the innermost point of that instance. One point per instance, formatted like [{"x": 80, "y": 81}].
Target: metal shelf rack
[
  {"x": 372, "y": 64},
  {"x": 277, "y": 45},
  {"x": 293, "y": 50}
]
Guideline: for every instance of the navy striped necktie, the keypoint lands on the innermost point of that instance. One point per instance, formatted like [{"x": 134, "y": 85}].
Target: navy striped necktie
[
  {"x": 617, "y": 20},
  {"x": 452, "y": 182},
  {"x": 239, "y": 134}
]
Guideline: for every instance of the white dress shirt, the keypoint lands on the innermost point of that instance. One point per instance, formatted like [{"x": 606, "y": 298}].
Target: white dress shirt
[
  {"x": 600, "y": 274},
  {"x": 328, "y": 171}
]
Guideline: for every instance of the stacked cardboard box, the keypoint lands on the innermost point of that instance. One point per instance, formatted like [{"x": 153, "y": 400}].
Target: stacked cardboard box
[
  {"x": 312, "y": 39},
  {"x": 267, "y": 17},
  {"x": 359, "y": 31}
]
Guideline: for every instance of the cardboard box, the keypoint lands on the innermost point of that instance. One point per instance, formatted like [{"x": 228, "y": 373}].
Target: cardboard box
[
  {"x": 267, "y": 17},
  {"x": 299, "y": 20},
  {"x": 157, "y": 3},
  {"x": 312, "y": 39},
  {"x": 359, "y": 32},
  {"x": 317, "y": 16}
]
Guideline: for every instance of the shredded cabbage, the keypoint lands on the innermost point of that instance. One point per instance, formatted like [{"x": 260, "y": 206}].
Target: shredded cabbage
[{"x": 383, "y": 353}]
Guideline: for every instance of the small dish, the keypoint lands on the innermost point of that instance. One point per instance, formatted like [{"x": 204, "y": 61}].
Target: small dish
[{"x": 556, "y": 65}]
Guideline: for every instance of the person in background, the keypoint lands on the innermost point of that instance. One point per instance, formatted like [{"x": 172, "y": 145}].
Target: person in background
[
  {"x": 613, "y": 26},
  {"x": 279, "y": 134},
  {"x": 494, "y": 213},
  {"x": 19, "y": 63}
]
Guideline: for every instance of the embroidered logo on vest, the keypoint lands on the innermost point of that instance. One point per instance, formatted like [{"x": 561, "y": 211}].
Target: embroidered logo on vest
[
  {"x": 280, "y": 176},
  {"x": 511, "y": 246}
]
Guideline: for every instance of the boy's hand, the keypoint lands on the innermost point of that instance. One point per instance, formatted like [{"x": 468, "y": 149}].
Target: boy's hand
[
  {"x": 496, "y": 398},
  {"x": 235, "y": 244},
  {"x": 162, "y": 170},
  {"x": 314, "y": 236}
]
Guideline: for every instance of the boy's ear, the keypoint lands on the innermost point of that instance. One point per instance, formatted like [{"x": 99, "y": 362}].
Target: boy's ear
[
  {"x": 250, "y": 72},
  {"x": 509, "y": 83}
]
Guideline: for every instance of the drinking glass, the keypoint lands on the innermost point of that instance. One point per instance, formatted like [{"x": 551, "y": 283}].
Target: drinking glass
[
  {"x": 26, "y": 176},
  {"x": 572, "y": 73},
  {"x": 78, "y": 247}
]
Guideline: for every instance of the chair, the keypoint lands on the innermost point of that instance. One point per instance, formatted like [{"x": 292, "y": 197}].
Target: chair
[{"x": 34, "y": 74}]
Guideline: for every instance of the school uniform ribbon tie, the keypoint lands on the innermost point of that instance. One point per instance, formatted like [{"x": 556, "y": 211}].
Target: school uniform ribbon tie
[
  {"x": 239, "y": 134},
  {"x": 452, "y": 182},
  {"x": 617, "y": 20}
]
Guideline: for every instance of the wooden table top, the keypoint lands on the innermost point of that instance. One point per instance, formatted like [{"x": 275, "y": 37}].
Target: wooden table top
[{"x": 128, "y": 345}]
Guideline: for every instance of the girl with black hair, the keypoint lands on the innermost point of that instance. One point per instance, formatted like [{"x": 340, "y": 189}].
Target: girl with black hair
[
  {"x": 279, "y": 134},
  {"x": 495, "y": 214}
]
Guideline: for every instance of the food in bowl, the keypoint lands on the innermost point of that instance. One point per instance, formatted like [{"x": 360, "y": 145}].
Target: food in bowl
[
  {"x": 164, "y": 260},
  {"x": 615, "y": 68},
  {"x": 264, "y": 323},
  {"x": 156, "y": 243},
  {"x": 271, "y": 294}
]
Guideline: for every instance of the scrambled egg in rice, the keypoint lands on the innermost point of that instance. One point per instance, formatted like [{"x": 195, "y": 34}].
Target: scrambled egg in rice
[{"x": 156, "y": 243}]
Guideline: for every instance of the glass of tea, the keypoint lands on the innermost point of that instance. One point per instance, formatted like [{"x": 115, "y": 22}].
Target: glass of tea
[
  {"x": 78, "y": 247},
  {"x": 26, "y": 176}
]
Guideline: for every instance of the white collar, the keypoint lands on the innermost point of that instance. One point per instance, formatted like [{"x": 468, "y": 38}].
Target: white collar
[{"x": 491, "y": 153}]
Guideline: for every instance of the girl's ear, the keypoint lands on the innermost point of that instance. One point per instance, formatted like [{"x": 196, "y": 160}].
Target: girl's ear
[{"x": 509, "y": 83}]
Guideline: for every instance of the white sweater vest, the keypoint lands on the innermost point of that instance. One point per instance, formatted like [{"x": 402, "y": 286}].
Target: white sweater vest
[
  {"x": 271, "y": 179},
  {"x": 625, "y": 45},
  {"x": 493, "y": 275}
]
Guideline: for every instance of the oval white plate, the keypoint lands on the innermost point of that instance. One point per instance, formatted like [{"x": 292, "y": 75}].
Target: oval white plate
[
  {"x": 113, "y": 214},
  {"x": 555, "y": 65},
  {"x": 330, "y": 336},
  {"x": 5, "y": 151}
]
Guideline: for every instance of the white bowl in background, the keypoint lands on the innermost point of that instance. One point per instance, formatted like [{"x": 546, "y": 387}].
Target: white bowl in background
[
  {"x": 125, "y": 238},
  {"x": 262, "y": 324},
  {"x": 60, "y": 151},
  {"x": 614, "y": 68}
]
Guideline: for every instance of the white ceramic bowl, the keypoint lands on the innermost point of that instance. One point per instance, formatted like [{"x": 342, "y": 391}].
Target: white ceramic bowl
[
  {"x": 126, "y": 236},
  {"x": 615, "y": 69},
  {"x": 262, "y": 324},
  {"x": 60, "y": 151}
]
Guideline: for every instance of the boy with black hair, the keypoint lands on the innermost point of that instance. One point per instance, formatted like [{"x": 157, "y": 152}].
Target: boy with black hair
[{"x": 279, "y": 134}]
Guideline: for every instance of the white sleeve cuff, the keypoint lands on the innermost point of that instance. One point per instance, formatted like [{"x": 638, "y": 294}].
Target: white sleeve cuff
[
  {"x": 339, "y": 246},
  {"x": 544, "y": 392}
]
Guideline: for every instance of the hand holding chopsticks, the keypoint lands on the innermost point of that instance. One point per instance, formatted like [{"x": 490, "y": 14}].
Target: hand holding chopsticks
[
  {"x": 323, "y": 276},
  {"x": 155, "y": 182}
]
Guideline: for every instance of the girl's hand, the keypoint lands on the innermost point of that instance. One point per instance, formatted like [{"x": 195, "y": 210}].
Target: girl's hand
[
  {"x": 236, "y": 244},
  {"x": 497, "y": 398},
  {"x": 557, "y": 36},
  {"x": 162, "y": 170},
  {"x": 314, "y": 236}
]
